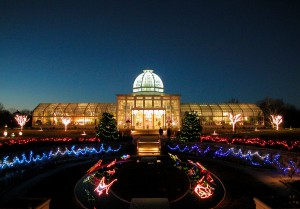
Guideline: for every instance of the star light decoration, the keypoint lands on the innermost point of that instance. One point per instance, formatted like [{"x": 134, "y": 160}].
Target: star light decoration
[
  {"x": 234, "y": 119},
  {"x": 277, "y": 120},
  {"x": 21, "y": 120}
]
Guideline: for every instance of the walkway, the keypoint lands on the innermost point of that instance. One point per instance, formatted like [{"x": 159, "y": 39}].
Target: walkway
[
  {"x": 278, "y": 195},
  {"x": 148, "y": 145}
]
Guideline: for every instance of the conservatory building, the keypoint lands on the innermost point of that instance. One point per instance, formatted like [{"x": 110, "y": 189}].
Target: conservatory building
[{"x": 146, "y": 108}]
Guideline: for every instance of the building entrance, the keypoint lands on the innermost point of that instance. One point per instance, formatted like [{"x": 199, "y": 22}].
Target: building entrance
[{"x": 148, "y": 118}]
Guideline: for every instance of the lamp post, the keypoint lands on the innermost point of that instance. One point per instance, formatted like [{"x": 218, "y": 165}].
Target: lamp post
[{"x": 5, "y": 130}]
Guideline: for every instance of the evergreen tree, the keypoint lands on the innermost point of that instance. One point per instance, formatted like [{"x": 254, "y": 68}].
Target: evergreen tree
[
  {"x": 107, "y": 128},
  {"x": 191, "y": 128}
]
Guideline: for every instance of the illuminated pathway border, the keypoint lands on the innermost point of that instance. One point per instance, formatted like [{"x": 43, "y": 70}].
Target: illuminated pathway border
[
  {"x": 248, "y": 155},
  {"x": 10, "y": 161},
  {"x": 288, "y": 145},
  {"x": 271, "y": 143},
  {"x": 17, "y": 141}
]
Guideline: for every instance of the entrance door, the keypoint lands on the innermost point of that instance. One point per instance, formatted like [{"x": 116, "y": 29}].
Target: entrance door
[
  {"x": 158, "y": 118},
  {"x": 148, "y": 119}
]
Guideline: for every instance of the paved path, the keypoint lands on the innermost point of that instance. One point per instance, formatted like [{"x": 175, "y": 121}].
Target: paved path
[
  {"x": 61, "y": 194},
  {"x": 267, "y": 185}
]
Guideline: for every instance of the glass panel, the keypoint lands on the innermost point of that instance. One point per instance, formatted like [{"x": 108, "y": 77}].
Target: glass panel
[
  {"x": 130, "y": 104},
  {"x": 158, "y": 118},
  {"x": 138, "y": 119},
  {"x": 70, "y": 109},
  {"x": 236, "y": 109},
  {"x": 206, "y": 111},
  {"x": 80, "y": 110},
  {"x": 217, "y": 112},
  {"x": 139, "y": 103},
  {"x": 148, "y": 103},
  {"x": 185, "y": 108},
  {"x": 166, "y": 104},
  {"x": 157, "y": 103},
  {"x": 90, "y": 109},
  {"x": 121, "y": 104},
  {"x": 148, "y": 119},
  {"x": 225, "y": 109}
]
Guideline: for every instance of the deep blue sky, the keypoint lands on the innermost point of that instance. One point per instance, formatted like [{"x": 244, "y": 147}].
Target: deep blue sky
[{"x": 208, "y": 51}]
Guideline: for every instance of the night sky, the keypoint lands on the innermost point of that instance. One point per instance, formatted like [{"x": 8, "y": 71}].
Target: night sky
[{"x": 207, "y": 51}]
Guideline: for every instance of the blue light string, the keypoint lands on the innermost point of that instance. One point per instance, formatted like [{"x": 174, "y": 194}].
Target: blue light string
[
  {"x": 11, "y": 161},
  {"x": 252, "y": 157}
]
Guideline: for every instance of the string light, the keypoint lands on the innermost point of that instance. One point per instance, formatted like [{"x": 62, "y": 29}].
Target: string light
[
  {"x": 201, "y": 185},
  {"x": 102, "y": 186},
  {"x": 203, "y": 190},
  {"x": 97, "y": 165},
  {"x": 21, "y": 120},
  {"x": 252, "y": 157},
  {"x": 19, "y": 141},
  {"x": 125, "y": 157},
  {"x": 112, "y": 163},
  {"x": 111, "y": 172},
  {"x": 200, "y": 177},
  {"x": 273, "y": 143},
  {"x": 12, "y": 161}
]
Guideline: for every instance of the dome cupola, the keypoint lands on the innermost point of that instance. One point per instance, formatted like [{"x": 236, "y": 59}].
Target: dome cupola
[{"x": 148, "y": 82}]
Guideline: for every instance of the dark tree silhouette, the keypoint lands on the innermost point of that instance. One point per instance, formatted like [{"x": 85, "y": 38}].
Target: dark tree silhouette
[{"x": 270, "y": 107}]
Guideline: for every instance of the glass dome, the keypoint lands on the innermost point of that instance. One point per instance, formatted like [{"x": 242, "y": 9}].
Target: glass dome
[{"x": 148, "y": 82}]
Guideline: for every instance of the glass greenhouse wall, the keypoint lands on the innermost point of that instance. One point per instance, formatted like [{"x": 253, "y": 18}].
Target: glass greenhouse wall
[
  {"x": 81, "y": 114},
  {"x": 218, "y": 114},
  {"x": 164, "y": 111}
]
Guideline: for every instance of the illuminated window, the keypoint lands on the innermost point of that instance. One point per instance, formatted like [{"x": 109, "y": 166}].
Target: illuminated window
[
  {"x": 148, "y": 103},
  {"x": 157, "y": 103},
  {"x": 139, "y": 103}
]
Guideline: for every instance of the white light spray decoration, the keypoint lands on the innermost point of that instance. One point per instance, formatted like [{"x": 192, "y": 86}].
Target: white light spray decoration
[
  {"x": 66, "y": 122},
  {"x": 22, "y": 120},
  {"x": 277, "y": 120},
  {"x": 234, "y": 119}
]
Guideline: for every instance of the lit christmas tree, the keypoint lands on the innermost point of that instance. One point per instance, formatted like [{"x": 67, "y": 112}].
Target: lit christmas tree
[
  {"x": 191, "y": 128},
  {"x": 107, "y": 128}
]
